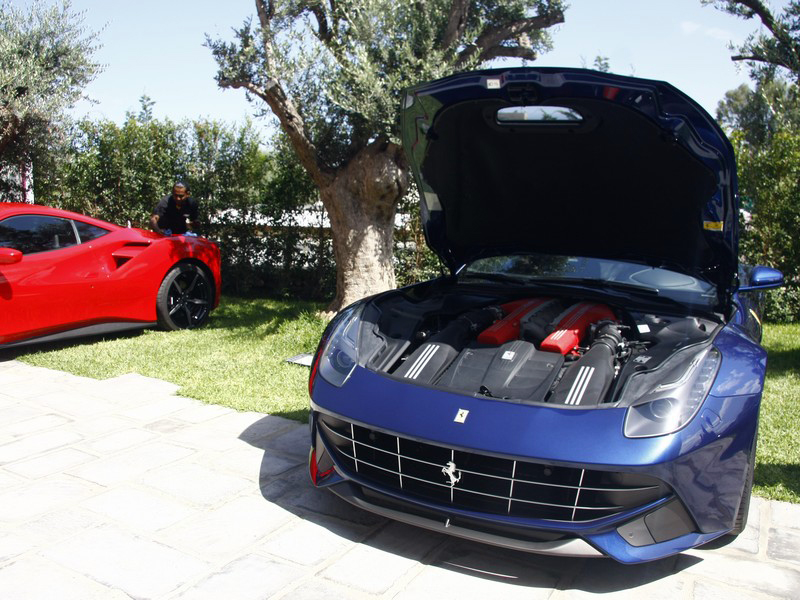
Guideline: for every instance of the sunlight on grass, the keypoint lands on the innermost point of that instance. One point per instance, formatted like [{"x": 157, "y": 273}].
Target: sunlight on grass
[
  {"x": 778, "y": 457},
  {"x": 238, "y": 360}
]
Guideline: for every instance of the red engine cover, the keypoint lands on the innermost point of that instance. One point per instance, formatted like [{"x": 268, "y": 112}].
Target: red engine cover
[
  {"x": 507, "y": 328},
  {"x": 572, "y": 325}
]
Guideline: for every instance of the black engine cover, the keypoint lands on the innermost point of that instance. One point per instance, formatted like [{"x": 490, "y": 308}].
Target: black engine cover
[{"x": 515, "y": 371}]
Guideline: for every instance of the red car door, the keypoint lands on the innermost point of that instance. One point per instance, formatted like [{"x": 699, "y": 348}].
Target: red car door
[{"x": 52, "y": 288}]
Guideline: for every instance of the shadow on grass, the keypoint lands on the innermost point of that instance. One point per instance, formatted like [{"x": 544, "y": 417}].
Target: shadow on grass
[
  {"x": 783, "y": 362},
  {"x": 300, "y": 415},
  {"x": 55, "y": 346},
  {"x": 256, "y": 318},
  {"x": 284, "y": 481},
  {"x": 777, "y": 475}
]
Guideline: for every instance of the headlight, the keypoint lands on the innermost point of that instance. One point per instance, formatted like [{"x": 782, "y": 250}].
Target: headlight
[
  {"x": 340, "y": 355},
  {"x": 664, "y": 400}
]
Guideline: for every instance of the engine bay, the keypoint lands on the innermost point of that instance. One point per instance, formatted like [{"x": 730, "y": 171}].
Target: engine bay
[{"x": 564, "y": 351}]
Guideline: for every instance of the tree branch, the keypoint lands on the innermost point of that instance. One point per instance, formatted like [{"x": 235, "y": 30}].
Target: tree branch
[
  {"x": 752, "y": 57},
  {"x": 323, "y": 30},
  {"x": 494, "y": 36},
  {"x": 266, "y": 10},
  {"x": 759, "y": 9},
  {"x": 456, "y": 23},
  {"x": 281, "y": 105},
  {"x": 787, "y": 53},
  {"x": 762, "y": 59},
  {"x": 509, "y": 52},
  {"x": 291, "y": 122}
]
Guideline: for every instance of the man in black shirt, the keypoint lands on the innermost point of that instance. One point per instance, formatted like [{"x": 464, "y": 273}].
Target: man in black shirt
[{"x": 176, "y": 213}]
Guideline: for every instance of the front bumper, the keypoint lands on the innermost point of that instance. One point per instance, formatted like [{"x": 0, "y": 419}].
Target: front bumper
[
  {"x": 412, "y": 515},
  {"x": 701, "y": 469},
  {"x": 632, "y": 533},
  {"x": 609, "y": 544}
]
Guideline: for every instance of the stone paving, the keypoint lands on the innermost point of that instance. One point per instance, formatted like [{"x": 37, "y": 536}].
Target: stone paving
[{"x": 121, "y": 489}]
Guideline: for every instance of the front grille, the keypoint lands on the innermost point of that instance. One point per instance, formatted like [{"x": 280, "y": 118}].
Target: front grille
[{"x": 482, "y": 483}]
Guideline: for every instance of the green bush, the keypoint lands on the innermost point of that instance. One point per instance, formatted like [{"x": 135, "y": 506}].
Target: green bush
[
  {"x": 250, "y": 197},
  {"x": 768, "y": 177},
  {"x": 413, "y": 260}
]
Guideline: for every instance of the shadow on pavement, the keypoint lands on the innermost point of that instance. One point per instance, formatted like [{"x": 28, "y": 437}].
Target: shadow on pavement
[{"x": 284, "y": 481}]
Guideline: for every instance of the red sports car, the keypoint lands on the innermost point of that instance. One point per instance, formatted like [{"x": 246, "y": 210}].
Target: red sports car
[{"x": 63, "y": 274}]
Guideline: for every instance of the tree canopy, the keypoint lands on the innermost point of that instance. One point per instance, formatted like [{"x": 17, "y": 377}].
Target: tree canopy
[
  {"x": 45, "y": 64},
  {"x": 758, "y": 113},
  {"x": 332, "y": 73},
  {"x": 777, "y": 47},
  {"x": 764, "y": 124}
]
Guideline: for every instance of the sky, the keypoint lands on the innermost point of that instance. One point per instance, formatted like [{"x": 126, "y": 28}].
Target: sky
[{"x": 156, "y": 48}]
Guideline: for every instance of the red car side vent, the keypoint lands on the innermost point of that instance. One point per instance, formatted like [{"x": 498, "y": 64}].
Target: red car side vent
[{"x": 128, "y": 251}]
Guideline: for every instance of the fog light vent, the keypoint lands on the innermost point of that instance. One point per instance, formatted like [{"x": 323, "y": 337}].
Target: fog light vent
[{"x": 665, "y": 523}]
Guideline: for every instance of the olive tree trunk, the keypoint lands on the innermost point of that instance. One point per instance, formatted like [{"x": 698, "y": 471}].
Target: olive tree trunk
[{"x": 361, "y": 203}]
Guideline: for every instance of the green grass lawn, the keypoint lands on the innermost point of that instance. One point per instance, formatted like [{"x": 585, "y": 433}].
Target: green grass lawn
[
  {"x": 778, "y": 456},
  {"x": 239, "y": 360}
]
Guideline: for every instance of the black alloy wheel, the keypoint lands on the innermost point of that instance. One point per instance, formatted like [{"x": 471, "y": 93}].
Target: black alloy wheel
[{"x": 185, "y": 297}]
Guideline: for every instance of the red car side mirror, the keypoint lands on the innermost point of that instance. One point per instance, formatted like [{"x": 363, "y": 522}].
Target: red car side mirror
[{"x": 9, "y": 256}]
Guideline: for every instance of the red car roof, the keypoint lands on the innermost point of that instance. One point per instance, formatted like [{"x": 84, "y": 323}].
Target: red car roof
[{"x": 8, "y": 209}]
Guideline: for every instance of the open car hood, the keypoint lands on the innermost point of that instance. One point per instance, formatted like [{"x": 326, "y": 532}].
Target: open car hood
[{"x": 621, "y": 168}]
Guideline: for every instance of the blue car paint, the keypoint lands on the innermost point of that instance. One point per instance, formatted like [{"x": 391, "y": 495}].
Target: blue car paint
[
  {"x": 602, "y": 533},
  {"x": 613, "y": 544},
  {"x": 704, "y": 466},
  {"x": 706, "y": 463}
]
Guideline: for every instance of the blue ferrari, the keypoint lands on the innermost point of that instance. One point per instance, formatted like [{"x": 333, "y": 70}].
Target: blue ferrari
[{"x": 587, "y": 377}]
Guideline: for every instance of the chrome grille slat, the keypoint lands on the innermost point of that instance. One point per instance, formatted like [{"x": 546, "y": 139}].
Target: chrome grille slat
[
  {"x": 500, "y": 477},
  {"x": 469, "y": 491},
  {"x": 578, "y": 494},
  {"x": 353, "y": 438},
  {"x": 511, "y": 489},
  {"x": 399, "y": 464},
  {"x": 485, "y": 484}
]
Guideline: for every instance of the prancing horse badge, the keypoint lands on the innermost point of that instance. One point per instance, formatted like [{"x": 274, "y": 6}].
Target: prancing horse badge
[
  {"x": 461, "y": 415},
  {"x": 452, "y": 473}
]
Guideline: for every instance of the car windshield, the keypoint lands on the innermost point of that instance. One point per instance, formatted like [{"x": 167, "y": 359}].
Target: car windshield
[{"x": 595, "y": 272}]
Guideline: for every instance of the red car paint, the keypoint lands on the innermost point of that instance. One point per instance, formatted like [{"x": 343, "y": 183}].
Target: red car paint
[
  {"x": 113, "y": 278},
  {"x": 572, "y": 325},
  {"x": 507, "y": 328}
]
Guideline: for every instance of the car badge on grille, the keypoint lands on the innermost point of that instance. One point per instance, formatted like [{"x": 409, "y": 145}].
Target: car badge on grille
[{"x": 450, "y": 470}]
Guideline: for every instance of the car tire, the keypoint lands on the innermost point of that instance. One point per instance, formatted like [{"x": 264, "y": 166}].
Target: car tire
[
  {"x": 185, "y": 297},
  {"x": 744, "y": 506}
]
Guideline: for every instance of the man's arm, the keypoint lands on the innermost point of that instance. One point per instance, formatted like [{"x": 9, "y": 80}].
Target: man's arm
[
  {"x": 154, "y": 223},
  {"x": 158, "y": 212}
]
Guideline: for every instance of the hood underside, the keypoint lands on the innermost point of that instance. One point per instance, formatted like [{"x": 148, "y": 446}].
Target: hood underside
[{"x": 640, "y": 172}]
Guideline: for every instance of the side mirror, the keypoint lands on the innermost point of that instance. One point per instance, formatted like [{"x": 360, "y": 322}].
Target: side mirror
[
  {"x": 9, "y": 256},
  {"x": 763, "y": 278}
]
